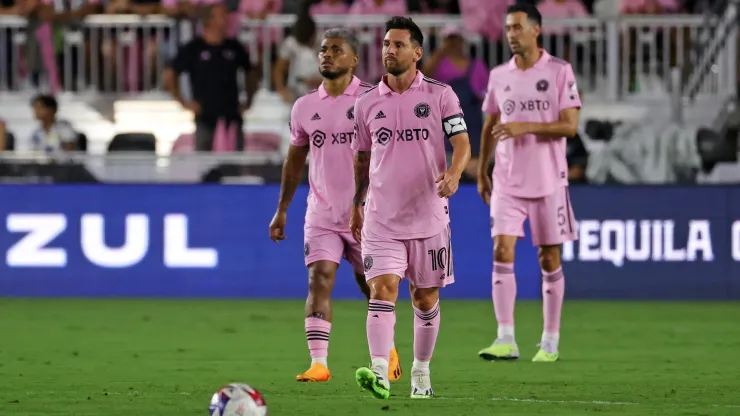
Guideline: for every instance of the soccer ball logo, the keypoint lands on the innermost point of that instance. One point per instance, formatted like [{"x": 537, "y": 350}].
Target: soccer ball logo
[
  {"x": 318, "y": 137},
  {"x": 422, "y": 110},
  {"x": 367, "y": 262},
  {"x": 384, "y": 135},
  {"x": 351, "y": 113},
  {"x": 237, "y": 399},
  {"x": 509, "y": 107}
]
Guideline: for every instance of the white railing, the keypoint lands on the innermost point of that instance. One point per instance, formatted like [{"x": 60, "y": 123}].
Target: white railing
[{"x": 127, "y": 53}]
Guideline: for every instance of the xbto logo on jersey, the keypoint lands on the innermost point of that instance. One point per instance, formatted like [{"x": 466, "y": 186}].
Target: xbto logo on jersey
[
  {"x": 341, "y": 138},
  {"x": 410, "y": 135},
  {"x": 318, "y": 138},
  {"x": 526, "y": 106},
  {"x": 383, "y": 135}
]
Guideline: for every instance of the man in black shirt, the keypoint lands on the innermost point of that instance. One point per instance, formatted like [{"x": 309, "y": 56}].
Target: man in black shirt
[{"x": 212, "y": 61}]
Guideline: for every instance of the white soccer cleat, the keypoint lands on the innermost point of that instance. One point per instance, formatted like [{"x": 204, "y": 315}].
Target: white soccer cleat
[{"x": 421, "y": 385}]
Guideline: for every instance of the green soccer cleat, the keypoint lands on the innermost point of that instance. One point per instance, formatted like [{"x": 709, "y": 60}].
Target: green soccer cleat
[
  {"x": 501, "y": 349},
  {"x": 374, "y": 382},
  {"x": 548, "y": 352}
]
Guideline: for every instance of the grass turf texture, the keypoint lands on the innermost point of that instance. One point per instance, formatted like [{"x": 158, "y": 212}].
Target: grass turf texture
[{"x": 152, "y": 357}]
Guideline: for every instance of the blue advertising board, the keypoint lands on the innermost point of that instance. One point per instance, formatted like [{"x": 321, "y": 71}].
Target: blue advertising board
[{"x": 212, "y": 241}]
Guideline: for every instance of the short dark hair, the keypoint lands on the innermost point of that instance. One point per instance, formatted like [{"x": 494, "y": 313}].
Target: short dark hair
[
  {"x": 530, "y": 10},
  {"x": 206, "y": 13},
  {"x": 346, "y": 35},
  {"x": 405, "y": 23},
  {"x": 47, "y": 101}
]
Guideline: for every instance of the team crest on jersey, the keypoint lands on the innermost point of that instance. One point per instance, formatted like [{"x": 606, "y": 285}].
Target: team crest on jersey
[
  {"x": 318, "y": 138},
  {"x": 384, "y": 135},
  {"x": 351, "y": 113},
  {"x": 306, "y": 249},
  {"x": 367, "y": 262},
  {"x": 509, "y": 107},
  {"x": 542, "y": 85},
  {"x": 422, "y": 110}
]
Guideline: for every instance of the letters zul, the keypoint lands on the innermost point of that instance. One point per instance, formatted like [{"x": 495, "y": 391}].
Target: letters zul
[{"x": 33, "y": 249}]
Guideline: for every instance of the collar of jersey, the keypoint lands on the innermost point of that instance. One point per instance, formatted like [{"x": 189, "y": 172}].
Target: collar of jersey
[
  {"x": 383, "y": 88},
  {"x": 350, "y": 90},
  {"x": 539, "y": 64}
]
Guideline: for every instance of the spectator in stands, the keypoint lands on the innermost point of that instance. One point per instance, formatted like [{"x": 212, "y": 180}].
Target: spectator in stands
[
  {"x": 52, "y": 135},
  {"x": 212, "y": 60},
  {"x": 329, "y": 7},
  {"x": 434, "y": 6},
  {"x": 468, "y": 78},
  {"x": 556, "y": 38},
  {"x": 298, "y": 59},
  {"x": 486, "y": 18},
  {"x": 136, "y": 53},
  {"x": 68, "y": 15}
]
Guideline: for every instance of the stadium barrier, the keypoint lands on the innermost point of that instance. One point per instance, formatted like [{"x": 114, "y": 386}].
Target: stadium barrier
[
  {"x": 124, "y": 53},
  {"x": 212, "y": 241}
]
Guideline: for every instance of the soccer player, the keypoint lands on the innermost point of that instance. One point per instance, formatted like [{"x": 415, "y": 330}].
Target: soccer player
[
  {"x": 532, "y": 105},
  {"x": 403, "y": 186},
  {"x": 322, "y": 122}
]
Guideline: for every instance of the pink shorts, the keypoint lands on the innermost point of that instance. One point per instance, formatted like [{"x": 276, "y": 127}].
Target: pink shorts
[
  {"x": 322, "y": 244},
  {"x": 425, "y": 262},
  {"x": 551, "y": 218}
]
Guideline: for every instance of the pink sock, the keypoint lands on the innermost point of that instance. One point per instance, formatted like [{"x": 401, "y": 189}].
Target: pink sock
[
  {"x": 553, "y": 290},
  {"x": 381, "y": 321},
  {"x": 504, "y": 293},
  {"x": 317, "y": 335},
  {"x": 426, "y": 328}
]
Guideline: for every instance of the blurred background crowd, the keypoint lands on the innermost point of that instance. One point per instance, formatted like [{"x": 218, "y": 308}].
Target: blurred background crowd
[{"x": 117, "y": 87}]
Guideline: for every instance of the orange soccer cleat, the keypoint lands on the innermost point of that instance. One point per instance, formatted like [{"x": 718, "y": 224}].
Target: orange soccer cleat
[
  {"x": 317, "y": 373},
  {"x": 394, "y": 366}
]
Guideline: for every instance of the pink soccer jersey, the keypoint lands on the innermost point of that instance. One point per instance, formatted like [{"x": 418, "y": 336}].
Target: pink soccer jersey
[
  {"x": 531, "y": 166},
  {"x": 406, "y": 133},
  {"x": 327, "y": 125}
]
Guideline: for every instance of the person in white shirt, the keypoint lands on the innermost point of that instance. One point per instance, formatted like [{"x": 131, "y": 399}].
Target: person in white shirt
[
  {"x": 52, "y": 135},
  {"x": 297, "y": 61}
]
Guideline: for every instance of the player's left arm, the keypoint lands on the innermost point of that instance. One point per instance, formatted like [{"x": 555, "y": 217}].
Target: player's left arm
[
  {"x": 453, "y": 124},
  {"x": 569, "y": 103}
]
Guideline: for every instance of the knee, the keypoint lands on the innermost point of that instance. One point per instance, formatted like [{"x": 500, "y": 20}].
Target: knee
[
  {"x": 503, "y": 252},
  {"x": 549, "y": 258},
  {"x": 320, "y": 279},
  {"x": 424, "y": 299},
  {"x": 384, "y": 288}
]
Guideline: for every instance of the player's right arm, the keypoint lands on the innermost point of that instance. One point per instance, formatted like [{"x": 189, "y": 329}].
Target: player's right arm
[
  {"x": 362, "y": 145},
  {"x": 487, "y": 141},
  {"x": 292, "y": 173}
]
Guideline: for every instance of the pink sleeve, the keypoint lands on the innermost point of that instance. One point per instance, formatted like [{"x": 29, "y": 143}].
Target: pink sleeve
[
  {"x": 362, "y": 142},
  {"x": 453, "y": 122},
  {"x": 479, "y": 78},
  {"x": 298, "y": 136},
  {"x": 568, "y": 89},
  {"x": 489, "y": 102},
  {"x": 450, "y": 103}
]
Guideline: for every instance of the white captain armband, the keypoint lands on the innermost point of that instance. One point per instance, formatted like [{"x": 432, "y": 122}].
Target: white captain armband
[{"x": 454, "y": 125}]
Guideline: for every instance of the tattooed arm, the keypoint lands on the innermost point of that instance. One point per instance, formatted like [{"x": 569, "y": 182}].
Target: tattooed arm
[{"x": 362, "y": 177}]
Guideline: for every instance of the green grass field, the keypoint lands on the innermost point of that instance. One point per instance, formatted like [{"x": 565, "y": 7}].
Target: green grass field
[{"x": 147, "y": 358}]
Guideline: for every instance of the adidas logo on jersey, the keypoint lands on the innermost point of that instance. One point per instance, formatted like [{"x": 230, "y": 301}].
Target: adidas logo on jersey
[
  {"x": 507, "y": 89},
  {"x": 379, "y": 115},
  {"x": 315, "y": 117}
]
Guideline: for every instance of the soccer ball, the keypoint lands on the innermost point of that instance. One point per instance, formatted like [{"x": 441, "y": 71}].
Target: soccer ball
[{"x": 237, "y": 399}]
